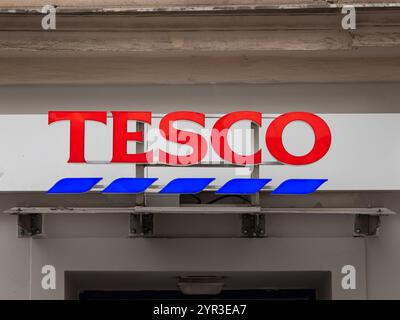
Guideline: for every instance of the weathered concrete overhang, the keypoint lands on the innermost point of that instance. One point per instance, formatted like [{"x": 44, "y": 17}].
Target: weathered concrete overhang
[
  {"x": 189, "y": 5},
  {"x": 267, "y": 42}
]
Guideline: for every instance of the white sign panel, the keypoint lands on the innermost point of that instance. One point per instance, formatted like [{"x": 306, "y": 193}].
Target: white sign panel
[{"x": 364, "y": 153}]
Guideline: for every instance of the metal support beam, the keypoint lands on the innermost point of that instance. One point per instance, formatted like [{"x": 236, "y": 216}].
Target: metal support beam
[
  {"x": 199, "y": 209},
  {"x": 366, "y": 225},
  {"x": 253, "y": 225},
  {"x": 171, "y": 206},
  {"x": 255, "y": 174},
  {"x": 30, "y": 225},
  {"x": 141, "y": 225},
  {"x": 140, "y": 168}
]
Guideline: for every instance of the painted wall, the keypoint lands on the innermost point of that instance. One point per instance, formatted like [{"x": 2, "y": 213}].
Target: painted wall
[{"x": 90, "y": 243}]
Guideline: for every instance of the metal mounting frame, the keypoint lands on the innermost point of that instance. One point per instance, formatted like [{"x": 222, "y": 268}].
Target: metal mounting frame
[
  {"x": 30, "y": 225},
  {"x": 253, "y": 225},
  {"x": 141, "y": 225},
  {"x": 30, "y": 219},
  {"x": 366, "y": 225}
]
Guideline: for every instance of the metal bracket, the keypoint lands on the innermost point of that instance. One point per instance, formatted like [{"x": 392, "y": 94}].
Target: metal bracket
[
  {"x": 29, "y": 225},
  {"x": 366, "y": 225},
  {"x": 253, "y": 225},
  {"x": 141, "y": 225}
]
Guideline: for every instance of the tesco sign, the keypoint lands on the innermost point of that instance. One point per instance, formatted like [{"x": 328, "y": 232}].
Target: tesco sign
[{"x": 197, "y": 142}]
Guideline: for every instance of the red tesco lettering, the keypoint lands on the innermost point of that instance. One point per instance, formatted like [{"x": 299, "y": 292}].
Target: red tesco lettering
[{"x": 198, "y": 144}]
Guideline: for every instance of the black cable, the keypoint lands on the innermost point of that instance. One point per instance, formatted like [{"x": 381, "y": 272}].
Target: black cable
[
  {"x": 228, "y": 196},
  {"x": 196, "y": 197}
]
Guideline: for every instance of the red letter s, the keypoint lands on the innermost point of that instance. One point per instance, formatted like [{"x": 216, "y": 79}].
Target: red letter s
[{"x": 196, "y": 141}]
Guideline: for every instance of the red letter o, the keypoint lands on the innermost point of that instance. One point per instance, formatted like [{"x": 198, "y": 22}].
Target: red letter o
[{"x": 322, "y": 138}]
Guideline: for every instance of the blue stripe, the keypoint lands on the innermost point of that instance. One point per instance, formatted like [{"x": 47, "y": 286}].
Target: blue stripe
[
  {"x": 74, "y": 185},
  {"x": 129, "y": 185},
  {"x": 187, "y": 185},
  {"x": 299, "y": 186},
  {"x": 243, "y": 186}
]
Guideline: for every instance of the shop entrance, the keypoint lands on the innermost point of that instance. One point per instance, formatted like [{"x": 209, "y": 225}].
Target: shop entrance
[{"x": 99, "y": 285}]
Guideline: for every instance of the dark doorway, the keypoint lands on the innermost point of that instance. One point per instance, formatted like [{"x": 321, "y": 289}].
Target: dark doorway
[
  {"x": 129, "y": 285},
  {"x": 298, "y": 294}
]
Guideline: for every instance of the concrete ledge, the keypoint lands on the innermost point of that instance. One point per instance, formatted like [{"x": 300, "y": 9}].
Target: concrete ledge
[
  {"x": 223, "y": 47},
  {"x": 191, "y": 3}
]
